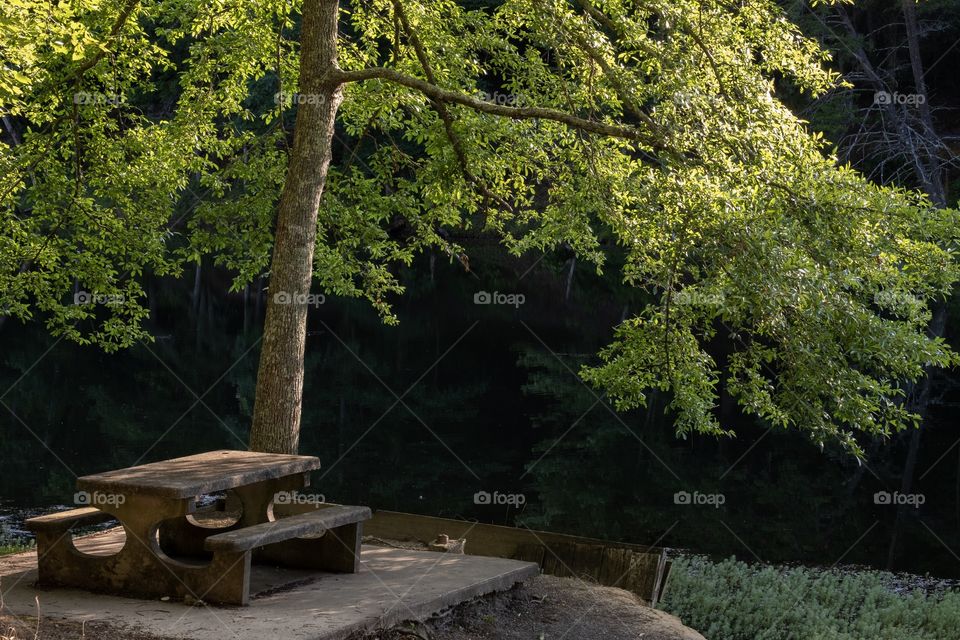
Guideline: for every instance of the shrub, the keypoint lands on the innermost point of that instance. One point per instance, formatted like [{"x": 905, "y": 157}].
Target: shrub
[
  {"x": 6, "y": 548},
  {"x": 731, "y": 600}
]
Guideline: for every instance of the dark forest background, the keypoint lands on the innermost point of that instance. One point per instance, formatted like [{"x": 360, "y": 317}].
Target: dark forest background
[{"x": 492, "y": 398}]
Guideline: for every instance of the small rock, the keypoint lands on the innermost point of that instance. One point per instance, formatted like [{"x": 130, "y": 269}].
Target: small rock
[
  {"x": 444, "y": 544},
  {"x": 165, "y": 599}
]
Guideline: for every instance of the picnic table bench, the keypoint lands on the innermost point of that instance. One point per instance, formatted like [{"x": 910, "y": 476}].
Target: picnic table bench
[{"x": 170, "y": 550}]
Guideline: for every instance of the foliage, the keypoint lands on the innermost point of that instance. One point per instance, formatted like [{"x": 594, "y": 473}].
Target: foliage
[
  {"x": 731, "y": 600},
  {"x": 16, "y": 547},
  {"x": 733, "y": 216}
]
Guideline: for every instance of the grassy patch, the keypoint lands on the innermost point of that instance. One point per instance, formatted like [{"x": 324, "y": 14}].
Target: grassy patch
[
  {"x": 16, "y": 547},
  {"x": 731, "y": 600}
]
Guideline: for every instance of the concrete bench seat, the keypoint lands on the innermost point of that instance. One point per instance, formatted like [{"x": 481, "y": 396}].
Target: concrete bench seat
[
  {"x": 310, "y": 523},
  {"x": 66, "y": 520}
]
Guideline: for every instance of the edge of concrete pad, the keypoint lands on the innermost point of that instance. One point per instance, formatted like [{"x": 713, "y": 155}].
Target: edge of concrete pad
[
  {"x": 426, "y": 609},
  {"x": 502, "y": 582},
  {"x": 412, "y": 605}
]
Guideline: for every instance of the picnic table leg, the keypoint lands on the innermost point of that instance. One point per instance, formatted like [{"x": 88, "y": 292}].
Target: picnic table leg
[
  {"x": 337, "y": 550},
  {"x": 140, "y": 568},
  {"x": 181, "y": 537},
  {"x": 55, "y": 553},
  {"x": 184, "y": 536},
  {"x": 256, "y": 499},
  {"x": 226, "y": 580},
  {"x": 61, "y": 563}
]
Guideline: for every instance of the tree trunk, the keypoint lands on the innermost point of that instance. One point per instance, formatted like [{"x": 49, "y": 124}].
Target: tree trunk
[
  {"x": 195, "y": 296},
  {"x": 11, "y": 130},
  {"x": 246, "y": 309},
  {"x": 258, "y": 300},
  {"x": 573, "y": 264},
  {"x": 920, "y": 406},
  {"x": 933, "y": 185},
  {"x": 276, "y": 414},
  {"x": 931, "y": 177}
]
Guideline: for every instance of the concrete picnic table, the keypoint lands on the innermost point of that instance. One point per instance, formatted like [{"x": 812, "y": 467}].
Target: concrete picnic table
[{"x": 170, "y": 552}]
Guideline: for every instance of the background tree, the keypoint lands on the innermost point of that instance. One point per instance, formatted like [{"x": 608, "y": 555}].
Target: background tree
[
  {"x": 651, "y": 125},
  {"x": 895, "y": 130}
]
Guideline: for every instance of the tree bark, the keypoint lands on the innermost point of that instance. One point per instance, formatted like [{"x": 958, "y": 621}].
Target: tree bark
[
  {"x": 277, "y": 409},
  {"x": 195, "y": 296},
  {"x": 921, "y": 407},
  {"x": 932, "y": 180},
  {"x": 932, "y": 177},
  {"x": 573, "y": 265}
]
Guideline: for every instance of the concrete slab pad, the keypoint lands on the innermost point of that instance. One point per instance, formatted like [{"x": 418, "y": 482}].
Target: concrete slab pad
[{"x": 393, "y": 585}]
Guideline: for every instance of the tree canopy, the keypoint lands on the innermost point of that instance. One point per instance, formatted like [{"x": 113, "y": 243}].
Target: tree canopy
[{"x": 652, "y": 127}]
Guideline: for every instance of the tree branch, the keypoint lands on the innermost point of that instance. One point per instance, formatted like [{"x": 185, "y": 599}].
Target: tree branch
[
  {"x": 516, "y": 113},
  {"x": 118, "y": 24},
  {"x": 455, "y": 142}
]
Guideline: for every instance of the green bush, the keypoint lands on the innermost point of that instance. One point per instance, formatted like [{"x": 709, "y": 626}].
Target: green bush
[
  {"x": 731, "y": 600},
  {"x": 7, "y": 549}
]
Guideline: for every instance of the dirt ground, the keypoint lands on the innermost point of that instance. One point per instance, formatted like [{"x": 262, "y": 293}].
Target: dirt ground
[
  {"x": 549, "y": 608},
  {"x": 26, "y": 629},
  {"x": 545, "y": 608}
]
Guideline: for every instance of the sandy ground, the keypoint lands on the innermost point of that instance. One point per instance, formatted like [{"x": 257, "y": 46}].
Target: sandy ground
[{"x": 545, "y": 608}]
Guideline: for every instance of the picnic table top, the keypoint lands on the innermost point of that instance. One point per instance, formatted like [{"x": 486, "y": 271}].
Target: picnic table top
[{"x": 198, "y": 474}]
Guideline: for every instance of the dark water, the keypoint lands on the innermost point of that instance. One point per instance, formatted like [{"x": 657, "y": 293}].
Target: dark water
[{"x": 489, "y": 402}]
